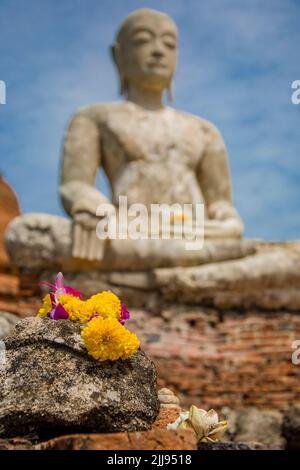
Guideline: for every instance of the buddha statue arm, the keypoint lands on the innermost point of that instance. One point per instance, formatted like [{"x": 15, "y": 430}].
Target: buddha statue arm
[
  {"x": 80, "y": 161},
  {"x": 214, "y": 179}
]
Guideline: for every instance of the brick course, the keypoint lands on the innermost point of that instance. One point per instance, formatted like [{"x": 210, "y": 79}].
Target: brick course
[{"x": 214, "y": 359}]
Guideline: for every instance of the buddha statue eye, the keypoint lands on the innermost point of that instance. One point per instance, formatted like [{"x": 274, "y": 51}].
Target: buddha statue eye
[
  {"x": 170, "y": 45},
  {"x": 141, "y": 37},
  {"x": 169, "y": 41}
]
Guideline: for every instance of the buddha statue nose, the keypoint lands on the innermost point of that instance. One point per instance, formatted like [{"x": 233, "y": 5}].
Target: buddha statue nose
[
  {"x": 157, "y": 54},
  {"x": 157, "y": 51}
]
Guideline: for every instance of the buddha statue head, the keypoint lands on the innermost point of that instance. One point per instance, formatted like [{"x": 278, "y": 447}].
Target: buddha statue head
[{"x": 145, "y": 53}]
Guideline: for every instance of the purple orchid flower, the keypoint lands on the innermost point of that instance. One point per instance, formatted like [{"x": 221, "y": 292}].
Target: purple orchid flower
[
  {"x": 59, "y": 288},
  {"x": 125, "y": 315},
  {"x": 58, "y": 312}
]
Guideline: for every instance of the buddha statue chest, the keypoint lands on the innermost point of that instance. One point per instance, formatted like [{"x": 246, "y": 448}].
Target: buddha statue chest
[{"x": 152, "y": 157}]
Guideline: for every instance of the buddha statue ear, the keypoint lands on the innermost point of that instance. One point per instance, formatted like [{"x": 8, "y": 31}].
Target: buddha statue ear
[
  {"x": 170, "y": 92},
  {"x": 115, "y": 52},
  {"x": 123, "y": 86}
]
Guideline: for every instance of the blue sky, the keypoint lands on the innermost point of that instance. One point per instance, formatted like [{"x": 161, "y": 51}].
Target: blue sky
[{"x": 237, "y": 61}]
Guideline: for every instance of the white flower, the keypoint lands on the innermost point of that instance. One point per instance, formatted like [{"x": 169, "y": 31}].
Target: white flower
[
  {"x": 182, "y": 417},
  {"x": 205, "y": 424}
]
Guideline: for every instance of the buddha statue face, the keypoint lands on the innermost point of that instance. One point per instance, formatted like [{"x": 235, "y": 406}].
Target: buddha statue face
[{"x": 146, "y": 51}]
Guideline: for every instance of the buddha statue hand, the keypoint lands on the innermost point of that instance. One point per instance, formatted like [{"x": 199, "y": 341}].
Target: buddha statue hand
[
  {"x": 86, "y": 244},
  {"x": 228, "y": 217}
]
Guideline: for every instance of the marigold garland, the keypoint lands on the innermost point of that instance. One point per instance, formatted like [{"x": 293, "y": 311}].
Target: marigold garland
[
  {"x": 46, "y": 307},
  {"x": 106, "y": 304},
  {"x": 103, "y": 316},
  {"x": 106, "y": 339}
]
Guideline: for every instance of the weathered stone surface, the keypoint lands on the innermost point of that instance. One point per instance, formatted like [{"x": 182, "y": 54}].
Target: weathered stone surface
[
  {"x": 156, "y": 439},
  {"x": 291, "y": 427},
  {"x": 7, "y": 323},
  {"x": 254, "y": 425},
  {"x": 49, "y": 384},
  {"x": 268, "y": 279},
  {"x": 250, "y": 275},
  {"x": 221, "y": 445}
]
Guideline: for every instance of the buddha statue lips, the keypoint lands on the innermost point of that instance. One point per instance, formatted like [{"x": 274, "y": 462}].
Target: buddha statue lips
[{"x": 157, "y": 66}]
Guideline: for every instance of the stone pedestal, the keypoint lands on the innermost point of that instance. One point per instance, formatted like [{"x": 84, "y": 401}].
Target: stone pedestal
[{"x": 230, "y": 273}]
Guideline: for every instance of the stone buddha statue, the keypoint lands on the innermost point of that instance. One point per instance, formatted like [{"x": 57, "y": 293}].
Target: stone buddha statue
[{"x": 150, "y": 152}]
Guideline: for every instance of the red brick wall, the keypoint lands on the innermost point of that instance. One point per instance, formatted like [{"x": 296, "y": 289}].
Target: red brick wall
[{"x": 233, "y": 359}]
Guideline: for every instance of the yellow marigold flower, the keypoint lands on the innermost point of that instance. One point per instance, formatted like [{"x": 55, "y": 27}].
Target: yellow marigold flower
[
  {"x": 76, "y": 308},
  {"x": 46, "y": 307},
  {"x": 106, "y": 339},
  {"x": 106, "y": 304}
]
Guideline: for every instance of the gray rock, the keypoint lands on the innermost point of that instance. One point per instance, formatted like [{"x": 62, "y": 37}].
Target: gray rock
[
  {"x": 7, "y": 323},
  {"x": 291, "y": 427},
  {"x": 220, "y": 445},
  {"x": 254, "y": 425},
  {"x": 50, "y": 385}
]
